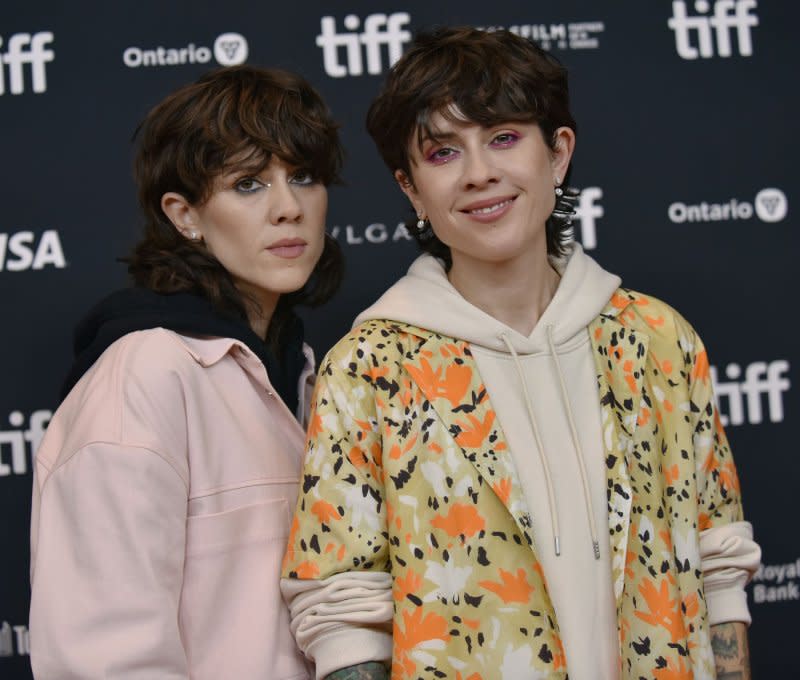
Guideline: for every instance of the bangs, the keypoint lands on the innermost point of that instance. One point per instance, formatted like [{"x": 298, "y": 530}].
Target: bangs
[
  {"x": 261, "y": 120},
  {"x": 466, "y": 90}
]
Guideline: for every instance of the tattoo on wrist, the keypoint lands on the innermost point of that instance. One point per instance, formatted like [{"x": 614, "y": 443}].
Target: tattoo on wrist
[
  {"x": 731, "y": 655},
  {"x": 371, "y": 670}
]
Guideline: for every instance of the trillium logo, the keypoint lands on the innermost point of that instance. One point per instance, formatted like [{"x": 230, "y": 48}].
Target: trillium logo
[
  {"x": 230, "y": 49},
  {"x": 771, "y": 205}
]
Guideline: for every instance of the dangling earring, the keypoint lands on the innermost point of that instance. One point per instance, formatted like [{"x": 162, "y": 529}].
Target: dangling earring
[
  {"x": 564, "y": 210},
  {"x": 422, "y": 223},
  {"x": 193, "y": 236}
]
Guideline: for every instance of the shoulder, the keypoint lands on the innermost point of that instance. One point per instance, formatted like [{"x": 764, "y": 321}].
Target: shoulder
[
  {"x": 661, "y": 322},
  {"x": 134, "y": 394},
  {"x": 376, "y": 340}
]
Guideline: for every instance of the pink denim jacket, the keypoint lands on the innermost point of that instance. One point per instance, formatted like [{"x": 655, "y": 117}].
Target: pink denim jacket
[{"x": 161, "y": 508}]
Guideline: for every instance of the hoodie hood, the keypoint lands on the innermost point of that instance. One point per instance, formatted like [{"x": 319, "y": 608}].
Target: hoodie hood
[
  {"x": 136, "y": 309},
  {"x": 425, "y": 298}
]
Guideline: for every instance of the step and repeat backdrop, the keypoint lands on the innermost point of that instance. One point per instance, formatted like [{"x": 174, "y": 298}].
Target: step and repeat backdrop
[{"x": 686, "y": 161}]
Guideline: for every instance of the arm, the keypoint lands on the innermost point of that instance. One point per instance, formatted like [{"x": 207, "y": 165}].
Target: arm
[
  {"x": 363, "y": 671},
  {"x": 335, "y": 575},
  {"x": 731, "y": 653},
  {"x": 729, "y": 555},
  {"x": 108, "y": 539}
]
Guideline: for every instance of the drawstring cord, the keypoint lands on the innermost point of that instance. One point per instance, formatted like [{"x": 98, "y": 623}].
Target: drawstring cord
[
  {"x": 575, "y": 442},
  {"x": 538, "y": 440}
]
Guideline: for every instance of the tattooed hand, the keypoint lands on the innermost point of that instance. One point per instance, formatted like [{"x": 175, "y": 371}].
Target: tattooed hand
[
  {"x": 732, "y": 657},
  {"x": 372, "y": 670}
]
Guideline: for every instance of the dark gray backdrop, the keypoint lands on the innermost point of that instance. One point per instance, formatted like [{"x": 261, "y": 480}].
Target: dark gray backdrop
[{"x": 685, "y": 155}]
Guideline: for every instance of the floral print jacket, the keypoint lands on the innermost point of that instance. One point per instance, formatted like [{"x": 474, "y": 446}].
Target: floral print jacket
[{"x": 408, "y": 471}]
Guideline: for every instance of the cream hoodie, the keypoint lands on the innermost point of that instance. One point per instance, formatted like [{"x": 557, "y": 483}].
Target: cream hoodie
[{"x": 543, "y": 388}]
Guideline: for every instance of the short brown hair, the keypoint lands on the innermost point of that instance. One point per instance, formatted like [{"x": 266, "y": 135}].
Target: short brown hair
[
  {"x": 240, "y": 116},
  {"x": 488, "y": 77}
]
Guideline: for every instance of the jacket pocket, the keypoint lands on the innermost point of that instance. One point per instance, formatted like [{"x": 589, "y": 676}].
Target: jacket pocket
[{"x": 233, "y": 619}]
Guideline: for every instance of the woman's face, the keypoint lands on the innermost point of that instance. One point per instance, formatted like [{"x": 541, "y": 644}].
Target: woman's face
[
  {"x": 487, "y": 191},
  {"x": 267, "y": 229}
]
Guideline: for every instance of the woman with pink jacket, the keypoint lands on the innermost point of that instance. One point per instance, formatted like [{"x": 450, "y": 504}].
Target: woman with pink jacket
[{"x": 164, "y": 484}]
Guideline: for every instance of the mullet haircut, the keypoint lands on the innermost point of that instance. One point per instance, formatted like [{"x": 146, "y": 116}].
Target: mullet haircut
[
  {"x": 486, "y": 77},
  {"x": 239, "y": 117}
]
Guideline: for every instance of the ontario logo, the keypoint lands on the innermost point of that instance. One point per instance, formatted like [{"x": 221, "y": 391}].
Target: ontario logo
[
  {"x": 229, "y": 49},
  {"x": 768, "y": 205}
]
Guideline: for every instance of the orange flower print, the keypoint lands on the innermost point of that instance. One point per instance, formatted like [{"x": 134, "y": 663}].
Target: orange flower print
[
  {"x": 452, "y": 387},
  {"x": 462, "y": 519},
  {"x": 405, "y": 585},
  {"x": 417, "y": 629},
  {"x": 502, "y": 488},
  {"x": 475, "y": 432},
  {"x": 701, "y": 368},
  {"x": 512, "y": 588},
  {"x": 307, "y": 570},
  {"x": 325, "y": 511},
  {"x": 664, "y": 612}
]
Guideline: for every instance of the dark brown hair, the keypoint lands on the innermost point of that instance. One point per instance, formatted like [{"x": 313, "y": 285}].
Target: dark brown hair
[
  {"x": 240, "y": 116},
  {"x": 487, "y": 77}
]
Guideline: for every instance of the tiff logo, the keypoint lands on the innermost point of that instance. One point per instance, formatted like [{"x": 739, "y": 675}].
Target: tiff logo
[
  {"x": 13, "y": 441},
  {"x": 379, "y": 30},
  {"x": 728, "y": 15},
  {"x": 760, "y": 378},
  {"x": 22, "y": 49},
  {"x": 9, "y": 635},
  {"x": 588, "y": 211}
]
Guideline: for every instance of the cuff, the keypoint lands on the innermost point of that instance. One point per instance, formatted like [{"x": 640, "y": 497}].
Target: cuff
[
  {"x": 347, "y": 647},
  {"x": 729, "y": 557}
]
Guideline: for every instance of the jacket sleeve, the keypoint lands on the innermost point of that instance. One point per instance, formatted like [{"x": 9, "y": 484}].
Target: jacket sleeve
[
  {"x": 107, "y": 563},
  {"x": 336, "y": 579},
  {"x": 729, "y": 555}
]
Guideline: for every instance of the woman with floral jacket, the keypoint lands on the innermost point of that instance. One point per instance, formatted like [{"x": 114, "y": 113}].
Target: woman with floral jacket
[{"x": 515, "y": 468}]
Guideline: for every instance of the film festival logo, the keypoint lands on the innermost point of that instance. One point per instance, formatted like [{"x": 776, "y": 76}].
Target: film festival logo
[
  {"x": 761, "y": 379},
  {"x": 379, "y": 30},
  {"x": 25, "y": 49},
  {"x": 578, "y": 35},
  {"x": 697, "y": 35},
  {"x": 19, "y": 443},
  {"x": 229, "y": 49}
]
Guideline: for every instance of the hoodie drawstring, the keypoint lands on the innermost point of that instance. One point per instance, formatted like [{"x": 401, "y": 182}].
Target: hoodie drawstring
[{"x": 575, "y": 442}]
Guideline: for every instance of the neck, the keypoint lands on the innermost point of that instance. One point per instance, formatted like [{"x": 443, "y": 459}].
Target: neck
[
  {"x": 515, "y": 293},
  {"x": 260, "y": 309}
]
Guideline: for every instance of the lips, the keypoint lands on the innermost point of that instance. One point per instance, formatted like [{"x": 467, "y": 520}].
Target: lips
[
  {"x": 288, "y": 248},
  {"x": 489, "y": 209}
]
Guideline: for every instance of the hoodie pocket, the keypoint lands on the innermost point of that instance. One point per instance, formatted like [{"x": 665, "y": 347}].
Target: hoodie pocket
[{"x": 233, "y": 619}]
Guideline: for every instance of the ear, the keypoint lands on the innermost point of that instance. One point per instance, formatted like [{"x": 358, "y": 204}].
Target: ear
[
  {"x": 408, "y": 188},
  {"x": 182, "y": 215},
  {"x": 564, "y": 145}
]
